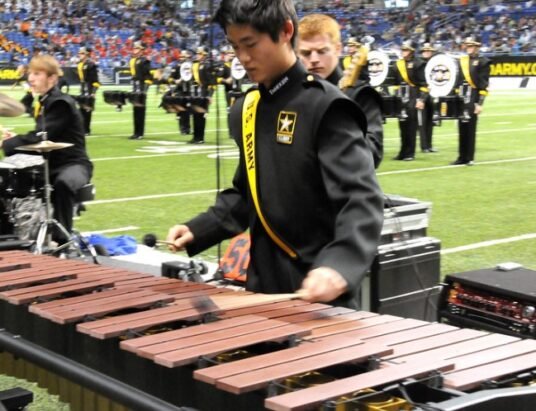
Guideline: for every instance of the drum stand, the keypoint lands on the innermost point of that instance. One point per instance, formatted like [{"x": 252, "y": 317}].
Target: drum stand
[{"x": 43, "y": 243}]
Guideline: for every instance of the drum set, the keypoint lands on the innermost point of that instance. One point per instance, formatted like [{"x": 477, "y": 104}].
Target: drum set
[{"x": 26, "y": 192}]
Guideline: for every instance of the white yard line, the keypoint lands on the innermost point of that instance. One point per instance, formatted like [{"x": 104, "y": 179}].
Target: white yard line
[
  {"x": 112, "y": 230},
  {"x": 488, "y": 243},
  {"x": 149, "y": 197},
  {"x": 417, "y": 170}
]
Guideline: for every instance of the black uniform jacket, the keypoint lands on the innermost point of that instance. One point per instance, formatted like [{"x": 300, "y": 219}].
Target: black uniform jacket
[
  {"x": 319, "y": 193},
  {"x": 370, "y": 101},
  {"x": 62, "y": 121},
  {"x": 140, "y": 69},
  {"x": 479, "y": 69},
  {"x": 415, "y": 69},
  {"x": 89, "y": 80}
]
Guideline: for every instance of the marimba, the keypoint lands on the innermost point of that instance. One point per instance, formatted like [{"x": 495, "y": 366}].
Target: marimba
[{"x": 198, "y": 345}]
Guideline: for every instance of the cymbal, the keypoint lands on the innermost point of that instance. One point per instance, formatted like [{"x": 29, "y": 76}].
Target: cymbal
[
  {"x": 9, "y": 107},
  {"x": 44, "y": 146},
  {"x": 3, "y": 164}
]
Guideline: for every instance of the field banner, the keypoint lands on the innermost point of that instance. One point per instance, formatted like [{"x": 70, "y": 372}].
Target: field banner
[{"x": 513, "y": 66}]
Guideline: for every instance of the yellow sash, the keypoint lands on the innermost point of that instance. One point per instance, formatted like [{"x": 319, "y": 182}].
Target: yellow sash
[
  {"x": 464, "y": 63},
  {"x": 195, "y": 71},
  {"x": 81, "y": 71},
  {"x": 249, "y": 114},
  {"x": 133, "y": 66},
  {"x": 37, "y": 109},
  {"x": 401, "y": 64}
]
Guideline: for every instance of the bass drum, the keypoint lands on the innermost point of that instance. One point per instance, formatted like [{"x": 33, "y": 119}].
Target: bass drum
[
  {"x": 238, "y": 72},
  {"x": 378, "y": 67},
  {"x": 186, "y": 71},
  {"x": 441, "y": 73}
]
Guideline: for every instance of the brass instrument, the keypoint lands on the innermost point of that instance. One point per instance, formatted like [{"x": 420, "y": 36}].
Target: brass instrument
[{"x": 351, "y": 74}]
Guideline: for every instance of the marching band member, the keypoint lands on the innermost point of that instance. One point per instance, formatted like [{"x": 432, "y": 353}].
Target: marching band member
[
  {"x": 305, "y": 184},
  {"x": 319, "y": 48},
  {"x": 57, "y": 115},
  {"x": 182, "y": 88},
  {"x": 410, "y": 78},
  {"x": 427, "y": 128},
  {"x": 200, "y": 94},
  {"x": 474, "y": 81},
  {"x": 89, "y": 84},
  {"x": 140, "y": 69}
]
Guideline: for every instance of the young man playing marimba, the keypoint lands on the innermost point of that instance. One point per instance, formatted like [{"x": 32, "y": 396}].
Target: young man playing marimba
[{"x": 305, "y": 185}]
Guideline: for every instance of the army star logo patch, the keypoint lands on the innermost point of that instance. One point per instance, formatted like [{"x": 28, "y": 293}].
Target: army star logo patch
[{"x": 286, "y": 123}]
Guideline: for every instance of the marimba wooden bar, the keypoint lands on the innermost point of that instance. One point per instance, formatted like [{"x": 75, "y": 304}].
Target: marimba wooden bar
[{"x": 213, "y": 348}]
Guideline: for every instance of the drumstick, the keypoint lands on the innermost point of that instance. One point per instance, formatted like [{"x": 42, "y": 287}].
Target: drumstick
[{"x": 162, "y": 242}]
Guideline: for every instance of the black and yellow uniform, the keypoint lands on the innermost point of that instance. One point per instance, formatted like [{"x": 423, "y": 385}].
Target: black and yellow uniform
[
  {"x": 370, "y": 101},
  {"x": 410, "y": 78},
  {"x": 232, "y": 86},
  {"x": 182, "y": 89},
  {"x": 473, "y": 82},
  {"x": 70, "y": 168},
  {"x": 140, "y": 70},
  {"x": 426, "y": 130},
  {"x": 315, "y": 183},
  {"x": 200, "y": 98},
  {"x": 89, "y": 84}
]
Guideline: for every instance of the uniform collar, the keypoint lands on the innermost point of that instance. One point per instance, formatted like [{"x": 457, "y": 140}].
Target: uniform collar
[
  {"x": 335, "y": 76},
  {"x": 285, "y": 82}
]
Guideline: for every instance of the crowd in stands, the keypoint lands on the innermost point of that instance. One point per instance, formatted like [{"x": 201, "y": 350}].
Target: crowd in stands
[{"x": 109, "y": 28}]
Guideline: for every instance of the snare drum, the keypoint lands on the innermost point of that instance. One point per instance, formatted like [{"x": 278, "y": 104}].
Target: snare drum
[
  {"x": 200, "y": 104},
  {"x": 450, "y": 107},
  {"x": 115, "y": 97},
  {"x": 391, "y": 106},
  {"x": 86, "y": 103},
  {"x": 174, "y": 104},
  {"x": 137, "y": 98}
]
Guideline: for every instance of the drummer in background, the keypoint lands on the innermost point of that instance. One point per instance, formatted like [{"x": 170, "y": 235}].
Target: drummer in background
[
  {"x": 181, "y": 88},
  {"x": 474, "y": 77},
  {"x": 319, "y": 49},
  {"x": 89, "y": 84},
  {"x": 409, "y": 74},
  {"x": 140, "y": 70},
  {"x": 427, "y": 128},
  {"x": 201, "y": 93},
  {"x": 57, "y": 115}
]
